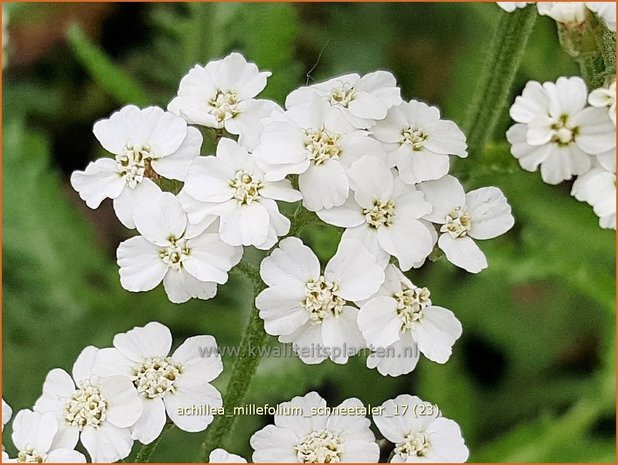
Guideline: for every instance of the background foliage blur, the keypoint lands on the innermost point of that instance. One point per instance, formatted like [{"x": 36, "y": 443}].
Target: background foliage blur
[{"x": 533, "y": 376}]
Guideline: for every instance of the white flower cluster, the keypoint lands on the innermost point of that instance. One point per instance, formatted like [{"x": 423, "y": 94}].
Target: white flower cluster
[
  {"x": 308, "y": 431},
  {"x": 558, "y": 132},
  {"x": 570, "y": 13},
  {"x": 117, "y": 395}
]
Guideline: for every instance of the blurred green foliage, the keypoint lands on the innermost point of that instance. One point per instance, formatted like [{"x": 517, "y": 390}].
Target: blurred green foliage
[{"x": 533, "y": 376}]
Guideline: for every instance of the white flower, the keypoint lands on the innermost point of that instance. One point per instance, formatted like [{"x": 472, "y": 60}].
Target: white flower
[
  {"x": 309, "y": 308},
  {"x": 7, "y": 411},
  {"x": 557, "y": 131},
  {"x": 605, "y": 10},
  {"x": 188, "y": 260},
  {"x": 146, "y": 143},
  {"x": 221, "y": 95},
  {"x": 419, "y": 433},
  {"x": 512, "y": 6},
  {"x": 318, "y": 143},
  {"x": 419, "y": 142},
  {"x": 384, "y": 215},
  {"x": 238, "y": 193},
  {"x": 100, "y": 410},
  {"x": 400, "y": 320},
  {"x": 362, "y": 100},
  {"x": 36, "y": 439},
  {"x": 480, "y": 214},
  {"x": 598, "y": 188},
  {"x": 603, "y": 97},
  {"x": 307, "y": 432},
  {"x": 178, "y": 384},
  {"x": 564, "y": 12},
  {"x": 223, "y": 456}
]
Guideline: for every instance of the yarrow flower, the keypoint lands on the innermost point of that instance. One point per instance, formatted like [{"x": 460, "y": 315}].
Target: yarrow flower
[
  {"x": 309, "y": 434},
  {"x": 362, "y": 100},
  {"x": 598, "y": 188},
  {"x": 221, "y": 95},
  {"x": 35, "y": 435},
  {"x": 310, "y": 308},
  {"x": 401, "y": 319},
  {"x": 419, "y": 142},
  {"x": 557, "y": 131},
  {"x": 223, "y": 456},
  {"x": 317, "y": 142},
  {"x": 189, "y": 261},
  {"x": 605, "y": 97},
  {"x": 165, "y": 383},
  {"x": 147, "y": 144},
  {"x": 480, "y": 214},
  {"x": 97, "y": 410},
  {"x": 384, "y": 215},
  {"x": 235, "y": 190},
  {"x": 419, "y": 433}
]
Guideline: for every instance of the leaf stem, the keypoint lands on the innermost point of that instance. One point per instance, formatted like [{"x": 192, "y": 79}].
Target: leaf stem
[{"x": 503, "y": 59}]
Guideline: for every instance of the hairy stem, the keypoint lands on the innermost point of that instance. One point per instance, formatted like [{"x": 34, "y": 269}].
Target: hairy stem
[
  {"x": 504, "y": 56},
  {"x": 243, "y": 370}
]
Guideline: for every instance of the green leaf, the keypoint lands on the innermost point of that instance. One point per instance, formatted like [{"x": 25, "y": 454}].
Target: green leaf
[{"x": 119, "y": 85}]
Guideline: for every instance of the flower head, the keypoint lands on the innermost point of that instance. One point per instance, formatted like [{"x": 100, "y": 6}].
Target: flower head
[
  {"x": 306, "y": 432},
  {"x": 146, "y": 144},
  {"x": 480, "y": 214},
  {"x": 221, "y": 95},
  {"x": 419, "y": 433},
  {"x": 310, "y": 308},
  {"x": 99, "y": 410},
  {"x": 164, "y": 382},
  {"x": 190, "y": 261},
  {"x": 401, "y": 320}
]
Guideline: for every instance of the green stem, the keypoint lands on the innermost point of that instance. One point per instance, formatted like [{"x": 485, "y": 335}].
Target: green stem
[
  {"x": 144, "y": 454},
  {"x": 504, "y": 56},
  {"x": 244, "y": 368}
]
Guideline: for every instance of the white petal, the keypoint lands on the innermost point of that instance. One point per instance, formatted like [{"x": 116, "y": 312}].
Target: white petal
[
  {"x": 446, "y": 138},
  {"x": 447, "y": 444},
  {"x": 422, "y": 165},
  {"x": 125, "y": 407},
  {"x": 163, "y": 131},
  {"x": 307, "y": 343},
  {"x": 281, "y": 308},
  {"x": 99, "y": 181},
  {"x": 199, "y": 355},
  {"x": 160, "y": 218},
  {"x": 113, "y": 133},
  {"x": 307, "y": 421},
  {"x": 208, "y": 180},
  {"x": 532, "y": 102},
  {"x": 210, "y": 259},
  {"x": 436, "y": 333},
  {"x": 274, "y": 444},
  {"x": 444, "y": 195},
  {"x": 34, "y": 430},
  {"x": 372, "y": 179},
  {"x": 406, "y": 239},
  {"x": 292, "y": 262},
  {"x": 82, "y": 368},
  {"x": 597, "y": 133},
  {"x": 180, "y": 286},
  {"x": 188, "y": 395},
  {"x": 177, "y": 164},
  {"x": 360, "y": 452},
  {"x": 222, "y": 456},
  {"x": 340, "y": 334},
  {"x": 244, "y": 224},
  {"x": 347, "y": 215},
  {"x": 107, "y": 443},
  {"x": 490, "y": 214},
  {"x": 324, "y": 186},
  {"x": 563, "y": 163},
  {"x": 151, "y": 423},
  {"x": 281, "y": 190},
  {"x": 379, "y": 322},
  {"x": 111, "y": 362},
  {"x": 141, "y": 267},
  {"x": 57, "y": 389},
  {"x": 152, "y": 340},
  {"x": 397, "y": 359},
  {"x": 125, "y": 203},
  {"x": 463, "y": 252},
  {"x": 65, "y": 456}
]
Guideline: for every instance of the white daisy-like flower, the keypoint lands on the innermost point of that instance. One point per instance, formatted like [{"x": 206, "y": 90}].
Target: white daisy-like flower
[
  {"x": 384, "y": 215},
  {"x": 557, "y": 131},
  {"x": 7, "y": 412},
  {"x": 605, "y": 97},
  {"x": 313, "y": 433},
  {"x": 310, "y": 308},
  {"x": 400, "y": 320},
  {"x": 362, "y": 100},
  {"x": 606, "y": 11},
  {"x": 147, "y": 144},
  {"x": 509, "y": 7},
  {"x": 221, "y": 95},
  {"x": 569, "y": 13},
  {"x": 189, "y": 261},
  {"x": 236, "y": 191},
  {"x": 419, "y": 432},
  {"x": 318, "y": 143},
  {"x": 100, "y": 411},
  {"x": 36, "y": 440},
  {"x": 419, "y": 142},
  {"x": 598, "y": 188},
  {"x": 178, "y": 384},
  {"x": 480, "y": 214},
  {"x": 223, "y": 456}
]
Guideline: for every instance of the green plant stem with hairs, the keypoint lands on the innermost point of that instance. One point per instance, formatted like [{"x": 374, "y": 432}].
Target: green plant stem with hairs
[{"x": 504, "y": 56}]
